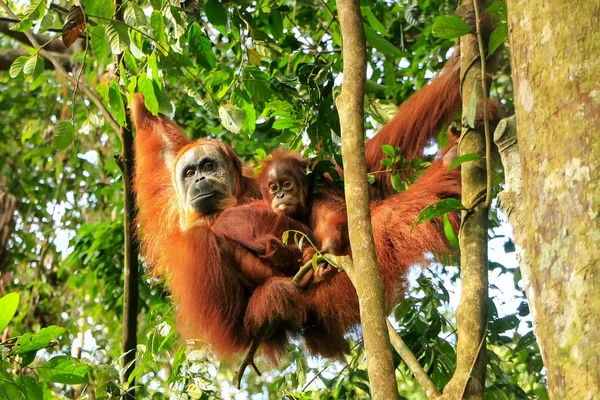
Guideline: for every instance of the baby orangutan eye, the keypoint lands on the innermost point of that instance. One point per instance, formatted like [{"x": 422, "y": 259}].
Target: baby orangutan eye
[
  {"x": 273, "y": 188},
  {"x": 287, "y": 184}
]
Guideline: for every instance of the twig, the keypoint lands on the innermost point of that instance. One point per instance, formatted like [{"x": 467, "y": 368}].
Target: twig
[
  {"x": 412, "y": 363},
  {"x": 486, "y": 119},
  {"x": 268, "y": 328},
  {"x": 249, "y": 359},
  {"x": 61, "y": 71}
]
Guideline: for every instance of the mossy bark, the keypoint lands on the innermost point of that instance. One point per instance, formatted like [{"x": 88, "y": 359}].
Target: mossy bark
[
  {"x": 364, "y": 272},
  {"x": 555, "y": 47}
]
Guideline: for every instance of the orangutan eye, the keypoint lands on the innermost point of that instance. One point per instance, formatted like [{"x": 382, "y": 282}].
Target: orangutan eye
[
  {"x": 209, "y": 167},
  {"x": 287, "y": 184},
  {"x": 189, "y": 172},
  {"x": 273, "y": 188}
]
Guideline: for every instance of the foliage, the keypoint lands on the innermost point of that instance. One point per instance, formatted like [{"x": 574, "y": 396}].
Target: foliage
[{"x": 257, "y": 75}]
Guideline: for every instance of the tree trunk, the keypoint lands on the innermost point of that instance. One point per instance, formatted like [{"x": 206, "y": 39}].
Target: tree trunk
[
  {"x": 364, "y": 272},
  {"x": 554, "y": 54},
  {"x": 468, "y": 381}
]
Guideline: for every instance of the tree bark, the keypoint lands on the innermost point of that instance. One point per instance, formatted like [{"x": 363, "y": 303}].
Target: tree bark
[
  {"x": 468, "y": 381},
  {"x": 364, "y": 272},
  {"x": 126, "y": 162},
  {"x": 554, "y": 57}
]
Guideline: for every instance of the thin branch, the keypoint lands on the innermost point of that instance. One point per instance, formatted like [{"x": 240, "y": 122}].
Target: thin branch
[
  {"x": 8, "y": 56},
  {"x": 412, "y": 363},
  {"x": 55, "y": 46}
]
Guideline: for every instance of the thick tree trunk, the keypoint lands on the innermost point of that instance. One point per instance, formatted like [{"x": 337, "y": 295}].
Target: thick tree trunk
[{"x": 554, "y": 53}]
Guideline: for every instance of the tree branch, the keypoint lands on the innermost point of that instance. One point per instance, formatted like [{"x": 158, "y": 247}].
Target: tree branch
[
  {"x": 412, "y": 363},
  {"x": 468, "y": 381},
  {"x": 8, "y": 56},
  {"x": 62, "y": 72},
  {"x": 369, "y": 287},
  {"x": 55, "y": 46}
]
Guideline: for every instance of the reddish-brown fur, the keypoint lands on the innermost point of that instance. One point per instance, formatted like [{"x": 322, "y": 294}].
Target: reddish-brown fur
[
  {"x": 225, "y": 274},
  {"x": 228, "y": 277},
  {"x": 324, "y": 206},
  {"x": 333, "y": 302},
  {"x": 418, "y": 121}
]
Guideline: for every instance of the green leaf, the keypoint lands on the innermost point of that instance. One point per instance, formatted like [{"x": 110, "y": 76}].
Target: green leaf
[
  {"x": 472, "y": 108},
  {"x": 44, "y": 24},
  {"x": 27, "y": 358},
  {"x": 201, "y": 47},
  {"x": 373, "y": 21},
  {"x": 157, "y": 21},
  {"x": 388, "y": 150},
  {"x": 371, "y": 178},
  {"x": 260, "y": 155},
  {"x": 31, "y": 13},
  {"x": 276, "y": 23},
  {"x": 463, "y": 159},
  {"x": 17, "y": 66},
  {"x": 8, "y": 307},
  {"x": 450, "y": 27},
  {"x": 377, "y": 41},
  {"x": 118, "y": 37},
  {"x": 216, "y": 13},
  {"x": 449, "y": 232},
  {"x": 232, "y": 117},
  {"x": 285, "y": 123},
  {"x": 147, "y": 88},
  {"x": 8, "y": 388},
  {"x": 438, "y": 209},
  {"x": 36, "y": 341},
  {"x": 396, "y": 182},
  {"x": 99, "y": 42},
  {"x": 498, "y": 11},
  {"x": 32, "y": 68},
  {"x": 64, "y": 369},
  {"x": 164, "y": 103},
  {"x": 497, "y": 37},
  {"x": 31, "y": 386},
  {"x": 249, "y": 124},
  {"x": 64, "y": 135},
  {"x": 116, "y": 105},
  {"x": 285, "y": 237},
  {"x": 313, "y": 261},
  {"x": 134, "y": 15}
]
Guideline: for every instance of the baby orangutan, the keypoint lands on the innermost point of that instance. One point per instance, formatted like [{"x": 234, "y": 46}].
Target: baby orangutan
[{"x": 290, "y": 191}]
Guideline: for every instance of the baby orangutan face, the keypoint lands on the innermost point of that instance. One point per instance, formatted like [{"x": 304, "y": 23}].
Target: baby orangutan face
[{"x": 287, "y": 189}]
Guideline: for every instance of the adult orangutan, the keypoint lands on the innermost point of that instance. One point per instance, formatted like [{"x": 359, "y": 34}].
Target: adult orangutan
[{"x": 228, "y": 271}]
